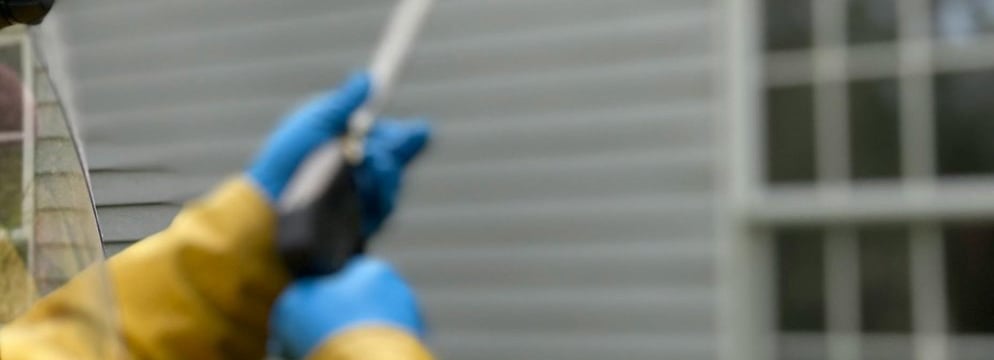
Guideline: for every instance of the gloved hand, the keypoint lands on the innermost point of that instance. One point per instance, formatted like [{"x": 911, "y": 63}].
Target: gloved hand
[
  {"x": 390, "y": 146},
  {"x": 367, "y": 291}
]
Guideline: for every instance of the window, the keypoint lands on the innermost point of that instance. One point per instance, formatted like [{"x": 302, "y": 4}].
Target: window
[
  {"x": 11, "y": 138},
  {"x": 876, "y": 186}
]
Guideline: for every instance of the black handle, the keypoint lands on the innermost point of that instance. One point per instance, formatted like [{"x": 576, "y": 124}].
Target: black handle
[{"x": 320, "y": 236}]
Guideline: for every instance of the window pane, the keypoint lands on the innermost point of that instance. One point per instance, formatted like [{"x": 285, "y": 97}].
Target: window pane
[
  {"x": 871, "y": 21},
  {"x": 800, "y": 279},
  {"x": 10, "y": 185},
  {"x": 964, "y": 127},
  {"x": 800, "y": 286},
  {"x": 790, "y": 148},
  {"x": 787, "y": 24},
  {"x": 874, "y": 130},
  {"x": 10, "y": 91},
  {"x": 960, "y": 20},
  {"x": 970, "y": 283},
  {"x": 885, "y": 294},
  {"x": 10, "y": 56}
]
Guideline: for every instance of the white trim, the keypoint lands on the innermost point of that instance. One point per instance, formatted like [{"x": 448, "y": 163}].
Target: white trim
[
  {"x": 917, "y": 122},
  {"x": 928, "y": 293},
  {"x": 10, "y": 38},
  {"x": 744, "y": 268},
  {"x": 831, "y": 103},
  {"x": 883, "y": 60},
  {"x": 28, "y": 162},
  {"x": 918, "y": 198},
  {"x": 887, "y": 201},
  {"x": 842, "y": 294},
  {"x": 10, "y": 136},
  {"x": 831, "y": 120}
]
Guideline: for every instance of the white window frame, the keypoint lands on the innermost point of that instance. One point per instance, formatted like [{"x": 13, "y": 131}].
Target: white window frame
[
  {"x": 18, "y": 36},
  {"x": 748, "y": 207}
]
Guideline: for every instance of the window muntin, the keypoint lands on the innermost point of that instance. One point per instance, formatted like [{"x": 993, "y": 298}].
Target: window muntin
[{"x": 865, "y": 110}]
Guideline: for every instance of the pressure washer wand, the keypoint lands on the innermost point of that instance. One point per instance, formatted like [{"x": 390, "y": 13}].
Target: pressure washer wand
[{"x": 320, "y": 221}]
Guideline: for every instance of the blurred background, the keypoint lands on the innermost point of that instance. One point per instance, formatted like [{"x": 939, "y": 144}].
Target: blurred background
[{"x": 625, "y": 179}]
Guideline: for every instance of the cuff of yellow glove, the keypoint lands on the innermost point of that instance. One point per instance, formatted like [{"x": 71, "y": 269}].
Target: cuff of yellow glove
[{"x": 372, "y": 343}]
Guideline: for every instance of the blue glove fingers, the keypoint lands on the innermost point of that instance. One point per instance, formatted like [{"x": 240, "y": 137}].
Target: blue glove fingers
[
  {"x": 405, "y": 139},
  {"x": 398, "y": 306},
  {"x": 297, "y": 332},
  {"x": 378, "y": 180},
  {"x": 305, "y": 130},
  {"x": 366, "y": 291},
  {"x": 389, "y": 147},
  {"x": 329, "y": 113}
]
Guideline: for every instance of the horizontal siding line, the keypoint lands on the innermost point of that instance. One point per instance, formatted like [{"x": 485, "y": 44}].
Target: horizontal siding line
[
  {"x": 113, "y": 9},
  {"x": 636, "y": 67},
  {"x": 681, "y": 64},
  {"x": 618, "y": 269},
  {"x": 393, "y": 250},
  {"x": 117, "y": 9},
  {"x": 578, "y": 295},
  {"x": 433, "y": 199},
  {"x": 553, "y": 337},
  {"x": 572, "y": 343},
  {"x": 138, "y": 204},
  {"x": 635, "y": 316},
  {"x": 662, "y": 21},
  {"x": 116, "y": 118},
  {"x": 670, "y": 113},
  {"x": 690, "y": 249},
  {"x": 177, "y": 200},
  {"x": 656, "y": 267},
  {"x": 519, "y": 168},
  {"x": 166, "y": 156},
  {"x": 128, "y": 241},
  {"x": 562, "y": 208},
  {"x": 123, "y": 169},
  {"x": 514, "y": 41},
  {"x": 545, "y": 164},
  {"x": 640, "y": 71},
  {"x": 119, "y": 224},
  {"x": 689, "y": 118},
  {"x": 131, "y": 170},
  {"x": 220, "y": 70},
  {"x": 677, "y": 114},
  {"x": 342, "y": 60},
  {"x": 134, "y": 193},
  {"x": 394, "y": 242},
  {"x": 236, "y": 27},
  {"x": 630, "y": 224},
  {"x": 111, "y": 45}
]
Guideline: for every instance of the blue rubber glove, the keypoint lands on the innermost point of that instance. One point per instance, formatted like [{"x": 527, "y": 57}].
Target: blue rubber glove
[
  {"x": 367, "y": 291},
  {"x": 390, "y": 146}
]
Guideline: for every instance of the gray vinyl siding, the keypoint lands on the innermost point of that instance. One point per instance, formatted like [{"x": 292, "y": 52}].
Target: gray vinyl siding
[{"x": 565, "y": 210}]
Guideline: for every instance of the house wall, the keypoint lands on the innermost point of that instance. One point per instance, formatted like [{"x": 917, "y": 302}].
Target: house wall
[{"x": 565, "y": 210}]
